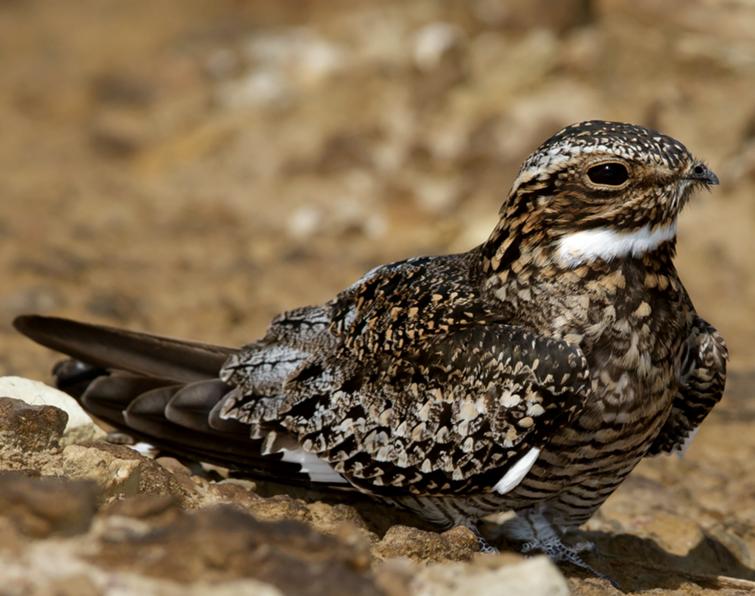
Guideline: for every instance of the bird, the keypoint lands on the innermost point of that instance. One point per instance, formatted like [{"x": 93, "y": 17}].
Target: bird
[{"x": 529, "y": 374}]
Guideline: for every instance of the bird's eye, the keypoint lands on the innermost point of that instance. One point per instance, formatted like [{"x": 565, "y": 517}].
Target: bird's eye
[{"x": 609, "y": 174}]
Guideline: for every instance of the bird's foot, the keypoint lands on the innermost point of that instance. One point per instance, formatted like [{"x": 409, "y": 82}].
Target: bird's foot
[
  {"x": 558, "y": 552},
  {"x": 485, "y": 546},
  {"x": 585, "y": 546}
]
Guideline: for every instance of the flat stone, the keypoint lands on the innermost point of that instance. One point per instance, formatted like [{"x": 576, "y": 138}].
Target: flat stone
[
  {"x": 223, "y": 542},
  {"x": 40, "y": 507},
  {"x": 279, "y": 507},
  {"x": 28, "y": 427},
  {"x": 157, "y": 509},
  {"x": 458, "y": 544},
  {"x": 531, "y": 577},
  {"x": 120, "y": 471},
  {"x": 38, "y": 393},
  {"x": 339, "y": 519},
  {"x": 72, "y": 574}
]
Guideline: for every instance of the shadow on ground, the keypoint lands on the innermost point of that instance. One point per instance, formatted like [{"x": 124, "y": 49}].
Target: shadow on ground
[{"x": 640, "y": 564}]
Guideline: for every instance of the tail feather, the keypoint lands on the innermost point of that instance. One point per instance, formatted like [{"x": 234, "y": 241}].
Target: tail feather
[
  {"x": 75, "y": 376},
  {"x": 150, "y": 405},
  {"x": 147, "y": 416},
  {"x": 141, "y": 353},
  {"x": 108, "y": 396},
  {"x": 167, "y": 392},
  {"x": 139, "y": 406},
  {"x": 192, "y": 405}
]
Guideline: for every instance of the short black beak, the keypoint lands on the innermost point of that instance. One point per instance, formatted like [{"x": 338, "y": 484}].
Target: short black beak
[{"x": 702, "y": 173}]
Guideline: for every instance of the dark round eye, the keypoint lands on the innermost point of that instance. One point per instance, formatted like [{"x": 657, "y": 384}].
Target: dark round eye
[{"x": 610, "y": 174}]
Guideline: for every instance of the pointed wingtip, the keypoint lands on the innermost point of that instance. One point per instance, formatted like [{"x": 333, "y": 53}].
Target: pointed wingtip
[
  {"x": 40, "y": 328},
  {"x": 110, "y": 347},
  {"x": 26, "y": 324},
  {"x": 21, "y": 322}
]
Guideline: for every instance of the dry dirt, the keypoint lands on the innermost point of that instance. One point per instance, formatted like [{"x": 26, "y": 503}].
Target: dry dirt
[{"x": 192, "y": 168}]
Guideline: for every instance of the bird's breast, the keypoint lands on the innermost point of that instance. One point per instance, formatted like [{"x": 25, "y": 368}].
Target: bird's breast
[{"x": 629, "y": 332}]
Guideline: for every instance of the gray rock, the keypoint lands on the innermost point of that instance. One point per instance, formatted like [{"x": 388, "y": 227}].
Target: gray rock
[
  {"x": 79, "y": 425},
  {"x": 28, "y": 427}
]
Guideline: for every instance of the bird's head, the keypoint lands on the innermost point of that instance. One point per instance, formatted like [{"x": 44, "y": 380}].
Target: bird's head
[{"x": 599, "y": 190}]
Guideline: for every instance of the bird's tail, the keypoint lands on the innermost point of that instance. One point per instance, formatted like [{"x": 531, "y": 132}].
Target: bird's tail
[
  {"x": 160, "y": 390},
  {"x": 139, "y": 353}
]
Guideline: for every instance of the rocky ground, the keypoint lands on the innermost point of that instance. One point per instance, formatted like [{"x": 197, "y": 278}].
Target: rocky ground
[
  {"x": 192, "y": 168},
  {"x": 82, "y": 514}
]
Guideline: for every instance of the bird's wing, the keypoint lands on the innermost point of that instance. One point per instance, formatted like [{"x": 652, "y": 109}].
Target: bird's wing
[
  {"x": 702, "y": 384},
  {"x": 405, "y": 383},
  {"x": 163, "y": 391},
  {"x": 425, "y": 392}
]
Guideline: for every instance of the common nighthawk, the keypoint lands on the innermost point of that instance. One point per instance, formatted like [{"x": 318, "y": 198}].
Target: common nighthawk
[{"x": 531, "y": 373}]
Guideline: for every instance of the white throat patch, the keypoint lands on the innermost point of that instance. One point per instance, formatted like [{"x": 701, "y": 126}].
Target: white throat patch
[{"x": 602, "y": 243}]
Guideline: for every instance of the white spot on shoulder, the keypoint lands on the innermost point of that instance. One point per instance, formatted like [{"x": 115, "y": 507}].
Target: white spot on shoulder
[
  {"x": 516, "y": 473},
  {"x": 602, "y": 243}
]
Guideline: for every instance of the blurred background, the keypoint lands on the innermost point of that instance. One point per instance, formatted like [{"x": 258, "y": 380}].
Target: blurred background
[{"x": 194, "y": 167}]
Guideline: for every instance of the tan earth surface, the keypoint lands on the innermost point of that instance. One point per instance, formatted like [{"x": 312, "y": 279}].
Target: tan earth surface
[{"x": 192, "y": 168}]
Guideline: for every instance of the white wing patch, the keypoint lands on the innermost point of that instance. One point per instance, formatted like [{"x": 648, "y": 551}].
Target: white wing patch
[
  {"x": 317, "y": 469},
  {"x": 516, "y": 473},
  {"x": 606, "y": 244},
  {"x": 682, "y": 450}
]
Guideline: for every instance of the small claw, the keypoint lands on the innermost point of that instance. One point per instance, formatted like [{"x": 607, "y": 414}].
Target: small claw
[
  {"x": 584, "y": 547},
  {"x": 484, "y": 545},
  {"x": 528, "y": 547},
  {"x": 558, "y": 552}
]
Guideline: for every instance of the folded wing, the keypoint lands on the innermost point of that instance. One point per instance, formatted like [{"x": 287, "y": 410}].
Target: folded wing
[{"x": 702, "y": 385}]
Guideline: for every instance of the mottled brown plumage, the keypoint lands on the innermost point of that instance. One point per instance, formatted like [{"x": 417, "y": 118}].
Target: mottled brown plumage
[{"x": 531, "y": 373}]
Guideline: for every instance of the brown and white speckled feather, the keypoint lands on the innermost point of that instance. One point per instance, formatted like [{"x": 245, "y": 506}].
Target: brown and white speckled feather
[
  {"x": 703, "y": 377},
  {"x": 530, "y": 373},
  {"x": 423, "y": 390}
]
